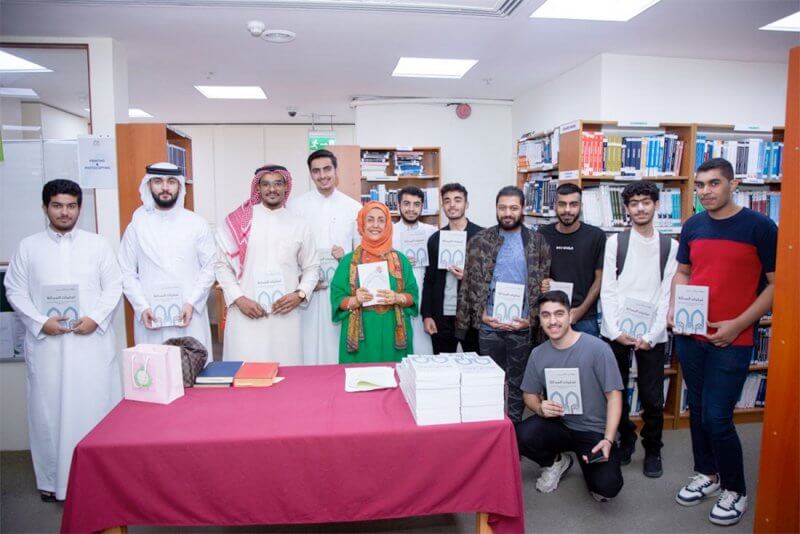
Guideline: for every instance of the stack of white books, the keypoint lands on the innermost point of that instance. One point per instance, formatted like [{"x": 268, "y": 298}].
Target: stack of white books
[
  {"x": 482, "y": 388},
  {"x": 432, "y": 387}
]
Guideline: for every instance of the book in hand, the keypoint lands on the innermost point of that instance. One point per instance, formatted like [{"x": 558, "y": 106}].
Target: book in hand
[
  {"x": 508, "y": 302},
  {"x": 636, "y": 317},
  {"x": 691, "y": 310},
  {"x": 564, "y": 387},
  {"x": 269, "y": 289},
  {"x": 166, "y": 301},
  {"x": 327, "y": 266},
  {"x": 61, "y": 300},
  {"x": 566, "y": 287},
  {"x": 415, "y": 247},
  {"x": 218, "y": 374},
  {"x": 368, "y": 378},
  {"x": 374, "y": 276},
  {"x": 255, "y": 374},
  {"x": 452, "y": 248}
]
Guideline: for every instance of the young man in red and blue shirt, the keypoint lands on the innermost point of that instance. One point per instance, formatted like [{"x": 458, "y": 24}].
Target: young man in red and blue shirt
[{"x": 731, "y": 250}]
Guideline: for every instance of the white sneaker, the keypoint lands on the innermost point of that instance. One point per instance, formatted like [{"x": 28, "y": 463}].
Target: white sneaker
[
  {"x": 698, "y": 488},
  {"x": 729, "y": 509},
  {"x": 600, "y": 498},
  {"x": 550, "y": 477}
]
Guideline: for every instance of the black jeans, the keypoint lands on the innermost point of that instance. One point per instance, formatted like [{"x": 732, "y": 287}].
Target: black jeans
[
  {"x": 509, "y": 350},
  {"x": 445, "y": 339},
  {"x": 543, "y": 439},
  {"x": 650, "y": 379}
]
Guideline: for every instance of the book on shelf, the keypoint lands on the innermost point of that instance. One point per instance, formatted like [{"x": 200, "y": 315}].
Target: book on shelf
[
  {"x": 538, "y": 152},
  {"x": 375, "y": 165},
  {"x": 648, "y": 156},
  {"x": 754, "y": 391},
  {"x": 540, "y": 195},
  {"x": 757, "y": 199},
  {"x": 760, "y": 356},
  {"x": 391, "y": 197},
  {"x": 750, "y": 158},
  {"x": 408, "y": 163},
  {"x": 603, "y": 207}
]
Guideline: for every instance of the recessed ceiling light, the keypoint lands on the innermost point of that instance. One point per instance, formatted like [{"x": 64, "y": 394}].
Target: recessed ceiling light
[
  {"x": 786, "y": 24},
  {"x": 15, "y": 128},
  {"x": 136, "y": 113},
  {"x": 278, "y": 36},
  {"x": 12, "y": 63},
  {"x": 609, "y": 10},
  {"x": 18, "y": 92},
  {"x": 424, "y": 67},
  {"x": 251, "y": 92}
]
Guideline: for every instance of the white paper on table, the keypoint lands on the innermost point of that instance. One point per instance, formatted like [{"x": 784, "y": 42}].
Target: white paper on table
[
  {"x": 327, "y": 266},
  {"x": 452, "y": 248},
  {"x": 415, "y": 246},
  {"x": 636, "y": 317},
  {"x": 507, "y": 301},
  {"x": 566, "y": 287},
  {"x": 564, "y": 387},
  {"x": 374, "y": 276},
  {"x": 61, "y": 299},
  {"x": 166, "y": 301},
  {"x": 368, "y": 378},
  {"x": 691, "y": 310},
  {"x": 269, "y": 289}
]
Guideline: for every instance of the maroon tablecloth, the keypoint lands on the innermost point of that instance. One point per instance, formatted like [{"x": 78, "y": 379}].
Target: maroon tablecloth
[{"x": 302, "y": 451}]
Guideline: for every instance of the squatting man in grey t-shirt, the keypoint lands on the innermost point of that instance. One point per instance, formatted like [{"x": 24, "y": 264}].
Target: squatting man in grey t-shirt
[{"x": 547, "y": 435}]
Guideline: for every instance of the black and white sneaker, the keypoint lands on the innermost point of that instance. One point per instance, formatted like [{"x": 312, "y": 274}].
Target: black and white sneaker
[
  {"x": 551, "y": 476},
  {"x": 698, "y": 488},
  {"x": 729, "y": 509}
]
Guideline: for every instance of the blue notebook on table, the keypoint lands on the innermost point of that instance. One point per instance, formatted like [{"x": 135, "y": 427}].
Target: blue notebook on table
[{"x": 218, "y": 374}]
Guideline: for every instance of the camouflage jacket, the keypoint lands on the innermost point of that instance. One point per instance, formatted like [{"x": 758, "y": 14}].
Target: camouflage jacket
[{"x": 482, "y": 253}]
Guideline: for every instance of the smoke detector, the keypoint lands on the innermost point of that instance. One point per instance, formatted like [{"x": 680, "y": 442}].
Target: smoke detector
[{"x": 278, "y": 36}]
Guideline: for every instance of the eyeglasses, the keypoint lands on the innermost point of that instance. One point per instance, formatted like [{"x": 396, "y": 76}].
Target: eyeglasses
[{"x": 280, "y": 184}]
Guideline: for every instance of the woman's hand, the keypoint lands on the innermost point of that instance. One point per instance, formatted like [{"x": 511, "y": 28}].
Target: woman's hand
[
  {"x": 388, "y": 297},
  {"x": 363, "y": 295}
]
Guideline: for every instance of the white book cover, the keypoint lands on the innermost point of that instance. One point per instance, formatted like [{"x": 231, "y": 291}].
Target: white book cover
[
  {"x": 452, "y": 248},
  {"x": 691, "y": 310},
  {"x": 415, "y": 247},
  {"x": 166, "y": 301},
  {"x": 507, "y": 301},
  {"x": 61, "y": 300},
  {"x": 636, "y": 317},
  {"x": 270, "y": 287},
  {"x": 374, "y": 276},
  {"x": 566, "y": 287},
  {"x": 564, "y": 387},
  {"x": 478, "y": 370},
  {"x": 327, "y": 266},
  {"x": 432, "y": 370}
]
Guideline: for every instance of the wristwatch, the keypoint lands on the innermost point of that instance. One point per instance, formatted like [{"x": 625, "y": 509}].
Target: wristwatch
[{"x": 301, "y": 294}]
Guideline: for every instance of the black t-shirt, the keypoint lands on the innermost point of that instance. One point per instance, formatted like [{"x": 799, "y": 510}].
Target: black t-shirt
[{"x": 575, "y": 257}]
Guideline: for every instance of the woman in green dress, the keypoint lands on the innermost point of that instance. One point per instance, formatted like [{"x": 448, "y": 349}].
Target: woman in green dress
[{"x": 380, "y": 333}]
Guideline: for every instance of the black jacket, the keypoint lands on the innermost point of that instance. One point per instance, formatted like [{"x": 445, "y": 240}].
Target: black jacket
[{"x": 433, "y": 287}]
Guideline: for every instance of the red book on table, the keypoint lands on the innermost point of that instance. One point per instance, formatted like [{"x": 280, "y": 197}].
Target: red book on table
[{"x": 255, "y": 374}]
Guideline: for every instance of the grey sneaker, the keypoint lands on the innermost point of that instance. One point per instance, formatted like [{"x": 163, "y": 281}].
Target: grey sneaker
[
  {"x": 698, "y": 488},
  {"x": 729, "y": 509},
  {"x": 551, "y": 476}
]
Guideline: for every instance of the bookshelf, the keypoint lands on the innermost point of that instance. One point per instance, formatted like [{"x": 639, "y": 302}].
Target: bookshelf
[{"x": 392, "y": 168}]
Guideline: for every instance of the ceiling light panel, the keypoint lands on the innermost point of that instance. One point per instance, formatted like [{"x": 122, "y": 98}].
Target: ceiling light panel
[
  {"x": 17, "y": 92},
  {"x": 422, "y": 67},
  {"x": 11, "y": 63},
  {"x": 136, "y": 113},
  {"x": 240, "y": 92},
  {"x": 605, "y": 10},
  {"x": 786, "y": 24}
]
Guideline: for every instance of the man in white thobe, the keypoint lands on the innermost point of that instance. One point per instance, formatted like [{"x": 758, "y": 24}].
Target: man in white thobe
[
  {"x": 407, "y": 237},
  {"x": 332, "y": 217},
  {"x": 267, "y": 266},
  {"x": 73, "y": 370},
  {"x": 167, "y": 259}
]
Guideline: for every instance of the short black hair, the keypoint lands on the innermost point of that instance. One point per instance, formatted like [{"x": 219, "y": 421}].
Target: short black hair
[
  {"x": 559, "y": 297},
  {"x": 412, "y": 190},
  {"x": 322, "y": 153},
  {"x": 568, "y": 189},
  {"x": 510, "y": 191},
  {"x": 61, "y": 187},
  {"x": 724, "y": 166},
  {"x": 644, "y": 188},
  {"x": 454, "y": 186}
]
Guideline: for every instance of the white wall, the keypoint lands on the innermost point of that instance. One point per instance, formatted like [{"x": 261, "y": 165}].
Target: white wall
[
  {"x": 57, "y": 124},
  {"x": 11, "y": 114},
  {"x": 477, "y": 152},
  {"x": 225, "y": 156}
]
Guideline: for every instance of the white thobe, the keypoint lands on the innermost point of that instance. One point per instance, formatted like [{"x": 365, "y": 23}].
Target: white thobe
[
  {"x": 279, "y": 241},
  {"x": 333, "y": 222},
  {"x": 178, "y": 249},
  {"x": 422, "y": 341},
  {"x": 73, "y": 380}
]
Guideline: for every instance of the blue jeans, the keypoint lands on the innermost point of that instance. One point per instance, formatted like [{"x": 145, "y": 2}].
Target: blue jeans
[
  {"x": 714, "y": 379},
  {"x": 588, "y": 326}
]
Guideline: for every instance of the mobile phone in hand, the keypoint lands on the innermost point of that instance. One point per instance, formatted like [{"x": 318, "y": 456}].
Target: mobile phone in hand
[{"x": 596, "y": 457}]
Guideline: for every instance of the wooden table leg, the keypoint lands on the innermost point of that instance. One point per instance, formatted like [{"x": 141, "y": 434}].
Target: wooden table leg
[
  {"x": 482, "y": 523},
  {"x": 116, "y": 530}
]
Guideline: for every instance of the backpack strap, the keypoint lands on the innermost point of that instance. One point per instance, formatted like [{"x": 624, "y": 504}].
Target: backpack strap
[
  {"x": 665, "y": 244},
  {"x": 624, "y": 239}
]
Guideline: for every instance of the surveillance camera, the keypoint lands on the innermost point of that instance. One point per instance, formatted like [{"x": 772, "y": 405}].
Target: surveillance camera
[
  {"x": 292, "y": 112},
  {"x": 256, "y": 28}
]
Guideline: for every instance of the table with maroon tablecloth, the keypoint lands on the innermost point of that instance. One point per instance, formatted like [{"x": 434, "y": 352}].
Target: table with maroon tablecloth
[{"x": 301, "y": 451}]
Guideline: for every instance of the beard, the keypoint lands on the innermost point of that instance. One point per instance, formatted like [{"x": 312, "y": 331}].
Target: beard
[
  {"x": 568, "y": 220},
  {"x": 165, "y": 204},
  {"x": 407, "y": 220},
  {"x": 507, "y": 225}
]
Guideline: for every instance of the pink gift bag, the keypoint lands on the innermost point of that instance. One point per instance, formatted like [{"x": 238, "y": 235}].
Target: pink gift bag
[{"x": 152, "y": 373}]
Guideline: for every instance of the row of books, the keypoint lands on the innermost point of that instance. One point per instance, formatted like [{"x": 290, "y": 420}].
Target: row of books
[
  {"x": 751, "y": 158},
  {"x": 654, "y": 155},
  {"x": 391, "y": 197},
  {"x": 374, "y": 164},
  {"x": 237, "y": 374},
  {"x": 754, "y": 393},
  {"x": 542, "y": 151},
  {"x": 603, "y": 206},
  {"x": 540, "y": 195},
  {"x": 408, "y": 163},
  {"x": 761, "y": 346},
  {"x": 766, "y": 202},
  {"x": 632, "y": 393}
]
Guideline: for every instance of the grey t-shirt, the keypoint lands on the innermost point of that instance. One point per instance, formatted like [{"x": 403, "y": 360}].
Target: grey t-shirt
[{"x": 599, "y": 375}]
